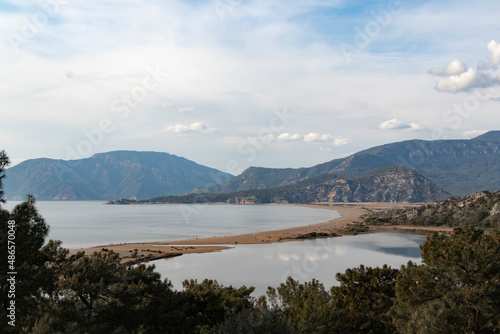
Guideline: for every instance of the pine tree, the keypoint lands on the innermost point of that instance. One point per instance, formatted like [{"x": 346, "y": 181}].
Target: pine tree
[
  {"x": 362, "y": 301},
  {"x": 456, "y": 290},
  {"x": 4, "y": 162}
]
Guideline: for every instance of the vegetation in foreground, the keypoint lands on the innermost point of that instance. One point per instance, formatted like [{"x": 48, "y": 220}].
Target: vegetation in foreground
[{"x": 455, "y": 290}]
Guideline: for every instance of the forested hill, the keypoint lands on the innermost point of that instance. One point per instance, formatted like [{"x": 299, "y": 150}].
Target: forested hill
[
  {"x": 480, "y": 209},
  {"x": 109, "y": 175},
  {"x": 459, "y": 167},
  {"x": 388, "y": 184}
]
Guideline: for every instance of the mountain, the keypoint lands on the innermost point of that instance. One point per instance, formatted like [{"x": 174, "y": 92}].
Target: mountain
[
  {"x": 260, "y": 178},
  {"x": 104, "y": 176},
  {"x": 387, "y": 184},
  {"x": 479, "y": 209},
  {"x": 459, "y": 167}
]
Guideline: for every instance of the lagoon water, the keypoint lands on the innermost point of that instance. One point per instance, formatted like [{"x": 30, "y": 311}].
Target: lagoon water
[
  {"x": 80, "y": 224},
  {"x": 266, "y": 265}
]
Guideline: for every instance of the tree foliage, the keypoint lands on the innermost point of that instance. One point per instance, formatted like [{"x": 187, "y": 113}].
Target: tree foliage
[
  {"x": 457, "y": 289},
  {"x": 306, "y": 306},
  {"x": 4, "y": 162},
  {"x": 211, "y": 302},
  {"x": 31, "y": 273},
  {"x": 362, "y": 301}
]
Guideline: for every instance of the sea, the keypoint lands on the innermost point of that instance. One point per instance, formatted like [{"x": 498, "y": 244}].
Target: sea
[{"x": 81, "y": 224}]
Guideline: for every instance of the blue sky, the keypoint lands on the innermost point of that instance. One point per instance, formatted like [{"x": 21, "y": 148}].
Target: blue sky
[{"x": 236, "y": 83}]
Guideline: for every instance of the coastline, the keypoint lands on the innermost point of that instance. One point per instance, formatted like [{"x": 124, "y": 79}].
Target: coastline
[{"x": 144, "y": 252}]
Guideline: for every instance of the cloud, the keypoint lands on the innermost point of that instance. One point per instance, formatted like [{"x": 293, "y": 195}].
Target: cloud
[
  {"x": 196, "y": 127},
  {"x": 457, "y": 78},
  {"x": 395, "y": 124},
  {"x": 415, "y": 127},
  {"x": 186, "y": 109},
  {"x": 455, "y": 83},
  {"x": 325, "y": 149},
  {"x": 285, "y": 137},
  {"x": 494, "y": 60},
  {"x": 473, "y": 133},
  {"x": 456, "y": 67},
  {"x": 341, "y": 141},
  {"x": 494, "y": 48},
  {"x": 314, "y": 137}
]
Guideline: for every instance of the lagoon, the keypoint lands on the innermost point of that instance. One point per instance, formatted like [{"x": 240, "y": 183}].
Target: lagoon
[{"x": 270, "y": 264}]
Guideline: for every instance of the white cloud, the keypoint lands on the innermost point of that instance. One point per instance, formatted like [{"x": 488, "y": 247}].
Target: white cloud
[
  {"x": 494, "y": 48},
  {"x": 341, "y": 141},
  {"x": 463, "y": 81},
  {"x": 325, "y": 149},
  {"x": 267, "y": 139},
  {"x": 494, "y": 60},
  {"x": 186, "y": 109},
  {"x": 473, "y": 133},
  {"x": 457, "y": 78},
  {"x": 285, "y": 137},
  {"x": 415, "y": 127},
  {"x": 197, "y": 127},
  {"x": 395, "y": 124},
  {"x": 314, "y": 137},
  {"x": 456, "y": 67}
]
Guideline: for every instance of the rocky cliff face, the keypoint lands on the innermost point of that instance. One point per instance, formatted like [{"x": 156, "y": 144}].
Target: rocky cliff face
[{"x": 389, "y": 184}]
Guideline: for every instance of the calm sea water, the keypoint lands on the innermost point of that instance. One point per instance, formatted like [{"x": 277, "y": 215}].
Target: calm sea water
[
  {"x": 266, "y": 265},
  {"x": 80, "y": 224}
]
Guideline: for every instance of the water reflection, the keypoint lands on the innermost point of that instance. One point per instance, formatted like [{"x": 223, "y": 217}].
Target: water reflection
[{"x": 269, "y": 265}]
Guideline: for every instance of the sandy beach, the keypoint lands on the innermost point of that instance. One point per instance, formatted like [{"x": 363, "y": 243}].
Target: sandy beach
[{"x": 143, "y": 252}]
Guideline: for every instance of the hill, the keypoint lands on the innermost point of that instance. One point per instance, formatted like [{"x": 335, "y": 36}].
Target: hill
[
  {"x": 459, "y": 167},
  {"x": 104, "y": 176},
  {"x": 480, "y": 210},
  {"x": 388, "y": 184}
]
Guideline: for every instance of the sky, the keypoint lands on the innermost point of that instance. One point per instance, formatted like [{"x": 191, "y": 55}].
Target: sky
[{"x": 236, "y": 83}]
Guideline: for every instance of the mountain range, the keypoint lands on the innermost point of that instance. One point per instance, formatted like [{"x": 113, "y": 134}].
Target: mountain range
[
  {"x": 458, "y": 167},
  {"x": 387, "y": 184},
  {"x": 413, "y": 170},
  {"x": 106, "y": 176}
]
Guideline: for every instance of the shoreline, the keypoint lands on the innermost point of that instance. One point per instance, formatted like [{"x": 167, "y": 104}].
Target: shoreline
[{"x": 148, "y": 251}]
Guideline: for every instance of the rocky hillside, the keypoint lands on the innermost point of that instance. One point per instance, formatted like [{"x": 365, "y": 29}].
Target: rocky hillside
[
  {"x": 119, "y": 174},
  {"x": 460, "y": 167},
  {"x": 388, "y": 184},
  {"x": 480, "y": 209}
]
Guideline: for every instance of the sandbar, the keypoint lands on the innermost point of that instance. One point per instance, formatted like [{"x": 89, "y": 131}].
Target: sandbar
[{"x": 144, "y": 252}]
